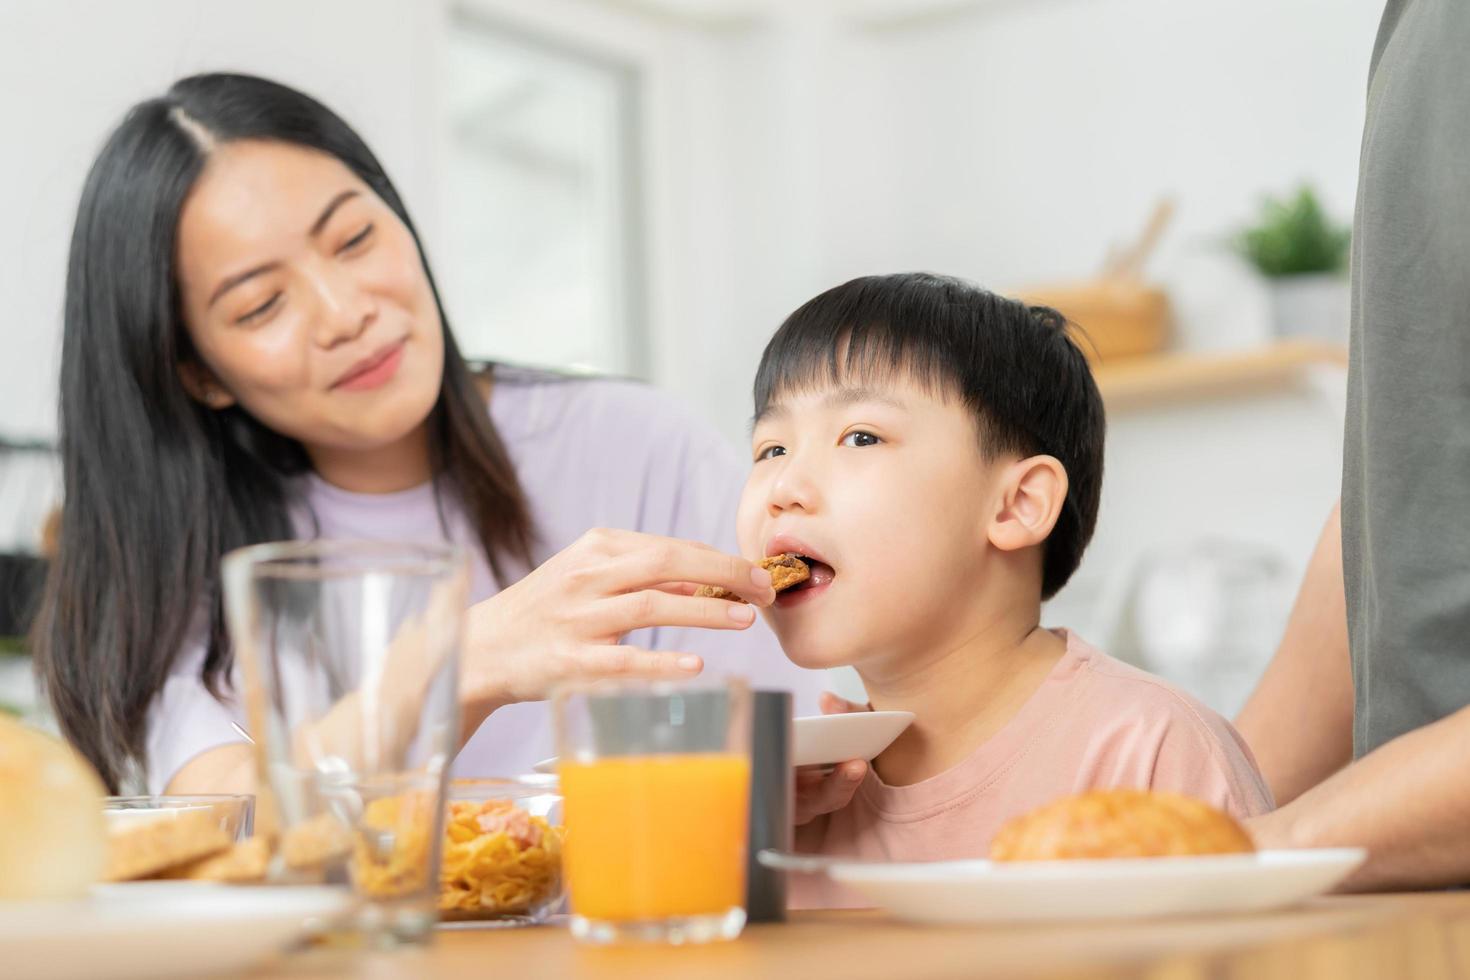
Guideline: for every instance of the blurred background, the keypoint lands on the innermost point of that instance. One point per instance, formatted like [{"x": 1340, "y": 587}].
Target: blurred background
[{"x": 647, "y": 187}]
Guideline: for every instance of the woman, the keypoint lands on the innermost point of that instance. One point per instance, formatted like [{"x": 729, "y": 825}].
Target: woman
[{"x": 254, "y": 349}]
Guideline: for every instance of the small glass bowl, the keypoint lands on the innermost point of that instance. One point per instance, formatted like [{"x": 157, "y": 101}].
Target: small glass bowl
[
  {"x": 236, "y": 814},
  {"x": 501, "y": 864}
]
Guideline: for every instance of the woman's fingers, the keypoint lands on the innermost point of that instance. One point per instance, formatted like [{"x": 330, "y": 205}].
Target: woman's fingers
[
  {"x": 678, "y": 588},
  {"x": 624, "y": 661},
  {"x": 648, "y": 562},
  {"x": 621, "y": 614},
  {"x": 831, "y": 704},
  {"x": 819, "y": 792}
]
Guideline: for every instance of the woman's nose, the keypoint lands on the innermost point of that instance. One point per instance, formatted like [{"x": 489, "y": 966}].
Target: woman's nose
[{"x": 345, "y": 310}]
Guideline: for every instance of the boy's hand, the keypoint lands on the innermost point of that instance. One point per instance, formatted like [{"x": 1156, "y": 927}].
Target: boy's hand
[{"x": 820, "y": 790}]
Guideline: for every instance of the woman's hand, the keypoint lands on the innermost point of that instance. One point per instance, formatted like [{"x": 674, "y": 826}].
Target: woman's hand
[
  {"x": 820, "y": 790},
  {"x": 566, "y": 620}
]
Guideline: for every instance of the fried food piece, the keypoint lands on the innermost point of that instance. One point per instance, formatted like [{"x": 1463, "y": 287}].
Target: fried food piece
[
  {"x": 245, "y": 862},
  {"x": 163, "y": 843},
  {"x": 786, "y": 570},
  {"x": 316, "y": 842},
  {"x": 1120, "y": 823}
]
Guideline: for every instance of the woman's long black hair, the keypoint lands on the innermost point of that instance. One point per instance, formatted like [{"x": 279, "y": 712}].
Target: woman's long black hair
[{"x": 159, "y": 487}]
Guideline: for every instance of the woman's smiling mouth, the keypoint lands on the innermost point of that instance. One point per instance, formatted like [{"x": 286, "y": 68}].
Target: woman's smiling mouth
[{"x": 373, "y": 371}]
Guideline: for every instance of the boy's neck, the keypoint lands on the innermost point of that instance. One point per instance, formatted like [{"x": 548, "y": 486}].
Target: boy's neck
[{"x": 961, "y": 694}]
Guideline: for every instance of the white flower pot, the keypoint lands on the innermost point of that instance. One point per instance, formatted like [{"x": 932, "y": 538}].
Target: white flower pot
[{"x": 1311, "y": 306}]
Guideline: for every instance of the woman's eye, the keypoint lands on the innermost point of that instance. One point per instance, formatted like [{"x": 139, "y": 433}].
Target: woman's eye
[
  {"x": 858, "y": 440},
  {"x": 356, "y": 239},
  {"x": 771, "y": 452},
  {"x": 260, "y": 310}
]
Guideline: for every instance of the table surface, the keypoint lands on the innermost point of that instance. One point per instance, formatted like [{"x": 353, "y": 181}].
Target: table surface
[{"x": 1378, "y": 936}]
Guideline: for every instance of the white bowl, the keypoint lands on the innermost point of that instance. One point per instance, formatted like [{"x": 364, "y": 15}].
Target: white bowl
[{"x": 824, "y": 740}]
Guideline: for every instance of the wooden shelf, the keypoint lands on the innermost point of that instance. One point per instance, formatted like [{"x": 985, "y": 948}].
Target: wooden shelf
[{"x": 1157, "y": 377}]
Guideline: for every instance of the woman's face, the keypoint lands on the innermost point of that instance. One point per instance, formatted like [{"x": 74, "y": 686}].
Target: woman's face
[{"x": 306, "y": 299}]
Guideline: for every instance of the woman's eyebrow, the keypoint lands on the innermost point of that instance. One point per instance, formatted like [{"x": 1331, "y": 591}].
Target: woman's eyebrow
[
  {"x": 327, "y": 212},
  {"x": 233, "y": 281}
]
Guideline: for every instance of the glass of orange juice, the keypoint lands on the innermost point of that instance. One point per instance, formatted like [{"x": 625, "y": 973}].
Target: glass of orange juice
[{"x": 655, "y": 781}]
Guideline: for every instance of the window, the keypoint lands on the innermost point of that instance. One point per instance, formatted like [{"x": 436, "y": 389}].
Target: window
[{"x": 540, "y": 220}]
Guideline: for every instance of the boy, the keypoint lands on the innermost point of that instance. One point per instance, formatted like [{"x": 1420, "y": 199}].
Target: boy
[{"x": 935, "y": 453}]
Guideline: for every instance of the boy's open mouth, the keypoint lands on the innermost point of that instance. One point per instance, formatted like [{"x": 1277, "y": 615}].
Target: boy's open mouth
[{"x": 821, "y": 576}]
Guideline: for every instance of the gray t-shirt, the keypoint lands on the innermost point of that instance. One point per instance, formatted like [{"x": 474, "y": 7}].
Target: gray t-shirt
[{"x": 1406, "y": 467}]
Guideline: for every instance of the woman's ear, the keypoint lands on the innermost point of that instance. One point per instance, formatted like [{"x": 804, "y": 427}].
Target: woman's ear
[
  {"x": 1032, "y": 491},
  {"x": 203, "y": 386}
]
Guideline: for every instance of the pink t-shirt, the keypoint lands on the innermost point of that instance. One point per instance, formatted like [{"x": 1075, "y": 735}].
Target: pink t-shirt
[{"x": 1095, "y": 723}]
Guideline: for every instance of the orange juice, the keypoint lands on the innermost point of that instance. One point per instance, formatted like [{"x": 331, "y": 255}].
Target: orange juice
[{"x": 655, "y": 836}]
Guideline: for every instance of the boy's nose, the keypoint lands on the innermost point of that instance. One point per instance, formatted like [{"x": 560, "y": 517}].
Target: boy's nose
[{"x": 794, "y": 489}]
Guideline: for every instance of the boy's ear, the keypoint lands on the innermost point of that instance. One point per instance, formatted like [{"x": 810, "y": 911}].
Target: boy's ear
[
  {"x": 1032, "y": 491},
  {"x": 202, "y": 385}
]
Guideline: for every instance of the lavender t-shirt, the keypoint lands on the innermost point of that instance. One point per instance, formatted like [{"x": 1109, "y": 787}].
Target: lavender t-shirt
[{"x": 588, "y": 453}]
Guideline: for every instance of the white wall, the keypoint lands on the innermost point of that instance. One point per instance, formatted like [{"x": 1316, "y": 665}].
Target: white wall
[{"x": 1011, "y": 144}]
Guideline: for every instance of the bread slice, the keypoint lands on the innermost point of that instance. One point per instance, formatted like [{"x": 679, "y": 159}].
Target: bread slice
[
  {"x": 161, "y": 843},
  {"x": 247, "y": 861}
]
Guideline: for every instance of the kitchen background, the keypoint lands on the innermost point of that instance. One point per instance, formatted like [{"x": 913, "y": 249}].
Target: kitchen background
[{"x": 646, "y": 187}]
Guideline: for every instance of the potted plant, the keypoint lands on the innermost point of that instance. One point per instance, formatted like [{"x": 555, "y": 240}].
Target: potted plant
[{"x": 1303, "y": 254}]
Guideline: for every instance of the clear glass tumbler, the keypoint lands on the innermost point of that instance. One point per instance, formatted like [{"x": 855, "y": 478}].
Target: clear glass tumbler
[{"x": 350, "y": 653}]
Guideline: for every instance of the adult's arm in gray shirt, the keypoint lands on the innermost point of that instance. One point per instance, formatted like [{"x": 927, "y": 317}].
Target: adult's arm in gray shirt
[
  {"x": 1299, "y": 720},
  {"x": 1408, "y": 803}
]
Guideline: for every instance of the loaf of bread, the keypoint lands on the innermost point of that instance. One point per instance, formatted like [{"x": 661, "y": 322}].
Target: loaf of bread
[
  {"x": 1119, "y": 823},
  {"x": 53, "y": 842}
]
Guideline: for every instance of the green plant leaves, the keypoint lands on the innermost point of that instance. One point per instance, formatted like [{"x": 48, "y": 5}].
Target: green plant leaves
[{"x": 1295, "y": 237}]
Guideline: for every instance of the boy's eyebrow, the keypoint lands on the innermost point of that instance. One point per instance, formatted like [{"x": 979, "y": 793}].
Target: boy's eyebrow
[
  {"x": 854, "y": 396},
  {"x": 839, "y": 396}
]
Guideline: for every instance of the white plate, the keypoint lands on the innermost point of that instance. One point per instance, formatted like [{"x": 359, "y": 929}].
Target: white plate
[
  {"x": 824, "y": 740},
  {"x": 160, "y": 929},
  {"x": 1050, "y": 891}
]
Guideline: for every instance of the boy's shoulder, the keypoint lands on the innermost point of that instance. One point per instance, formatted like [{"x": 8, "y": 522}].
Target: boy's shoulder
[
  {"x": 1179, "y": 734},
  {"x": 1147, "y": 697},
  {"x": 1155, "y": 691}
]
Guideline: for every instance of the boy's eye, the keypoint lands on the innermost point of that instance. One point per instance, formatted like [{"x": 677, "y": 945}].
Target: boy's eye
[
  {"x": 858, "y": 440},
  {"x": 771, "y": 452}
]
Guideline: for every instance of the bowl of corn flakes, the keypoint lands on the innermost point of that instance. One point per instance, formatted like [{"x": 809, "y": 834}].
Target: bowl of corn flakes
[{"x": 501, "y": 859}]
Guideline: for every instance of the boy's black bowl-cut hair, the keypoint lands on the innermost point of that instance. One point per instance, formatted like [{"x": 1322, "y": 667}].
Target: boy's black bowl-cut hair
[{"x": 1014, "y": 366}]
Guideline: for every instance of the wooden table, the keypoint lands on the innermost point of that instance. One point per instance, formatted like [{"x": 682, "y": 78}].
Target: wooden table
[{"x": 1342, "y": 938}]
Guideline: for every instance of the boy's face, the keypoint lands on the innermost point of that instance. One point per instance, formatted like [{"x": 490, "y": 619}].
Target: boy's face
[{"x": 886, "y": 490}]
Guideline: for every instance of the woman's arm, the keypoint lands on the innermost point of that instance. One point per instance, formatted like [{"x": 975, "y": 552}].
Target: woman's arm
[
  {"x": 564, "y": 621},
  {"x": 1408, "y": 803},
  {"x": 1299, "y": 720},
  {"x": 223, "y": 769}
]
